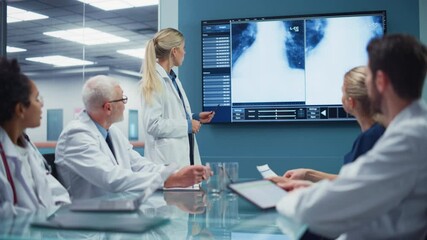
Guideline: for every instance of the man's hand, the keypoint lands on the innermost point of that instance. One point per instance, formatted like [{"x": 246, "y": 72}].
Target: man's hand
[
  {"x": 206, "y": 117},
  {"x": 297, "y": 174},
  {"x": 188, "y": 176},
  {"x": 278, "y": 179},
  {"x": 291, "y": 185}
]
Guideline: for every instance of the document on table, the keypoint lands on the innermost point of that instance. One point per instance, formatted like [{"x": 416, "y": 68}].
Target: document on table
[
  {"x": 195, "y": 187},
  {"x": 265, "y": 171}
]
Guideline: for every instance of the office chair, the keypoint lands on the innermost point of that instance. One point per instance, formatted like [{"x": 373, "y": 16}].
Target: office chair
[{"x": 50, "y": 159}]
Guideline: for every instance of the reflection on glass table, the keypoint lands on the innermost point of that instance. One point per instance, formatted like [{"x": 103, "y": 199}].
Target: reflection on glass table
[{"x": 189, "y": 214}]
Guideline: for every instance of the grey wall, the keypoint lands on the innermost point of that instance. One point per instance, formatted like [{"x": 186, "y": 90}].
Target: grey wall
[{"x": 282, "y": 145}]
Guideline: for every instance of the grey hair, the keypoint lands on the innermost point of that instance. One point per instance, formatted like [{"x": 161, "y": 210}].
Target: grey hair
[{"x": 97, "y": 90}]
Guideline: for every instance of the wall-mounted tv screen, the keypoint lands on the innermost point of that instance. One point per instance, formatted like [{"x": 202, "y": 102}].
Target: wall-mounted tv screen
[{"x": 274, "y": 69}]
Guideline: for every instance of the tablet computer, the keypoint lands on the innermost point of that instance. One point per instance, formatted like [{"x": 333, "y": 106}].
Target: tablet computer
[{"x": 263, "y": 193}]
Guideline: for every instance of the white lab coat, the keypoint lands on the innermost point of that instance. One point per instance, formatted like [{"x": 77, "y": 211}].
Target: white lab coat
[
  {"x": 165, "y": 125},
  {"x": 88, "y": 169},
  {"x": 48, "y": 191},
  {"x": 382, "y": 195}
]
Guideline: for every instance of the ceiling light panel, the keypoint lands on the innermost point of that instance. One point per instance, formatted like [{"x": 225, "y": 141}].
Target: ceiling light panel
[
  {"x": 136, "y": 52},
  {"x": 60, "y": 61},
  {"x": 109, "y": 5},
  {"x": 142, "y": 3},
  {"x": 86, "y": 36},
  {"x": 18, "y": 15},
  {"x": 10, "y": 49}
]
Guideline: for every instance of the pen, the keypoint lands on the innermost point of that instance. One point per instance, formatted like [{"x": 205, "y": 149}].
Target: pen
[{"x": 216, "y": 108}]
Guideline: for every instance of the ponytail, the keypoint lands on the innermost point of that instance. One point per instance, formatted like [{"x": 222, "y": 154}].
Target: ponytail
[
  {"x": 150, "y": 81},
  {"x": 157, "y": 48}
]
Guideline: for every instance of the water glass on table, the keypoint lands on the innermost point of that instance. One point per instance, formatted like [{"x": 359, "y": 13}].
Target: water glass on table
[
  {"x": 231, "y": 174},
  {"x": 215, "y": 182}
]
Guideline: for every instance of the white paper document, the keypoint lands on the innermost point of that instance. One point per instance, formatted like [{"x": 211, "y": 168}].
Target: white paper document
[{"x": 265, "y": 171}]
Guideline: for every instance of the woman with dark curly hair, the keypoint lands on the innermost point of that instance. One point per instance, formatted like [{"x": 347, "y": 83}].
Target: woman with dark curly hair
[{"x": 25, "y": 185}]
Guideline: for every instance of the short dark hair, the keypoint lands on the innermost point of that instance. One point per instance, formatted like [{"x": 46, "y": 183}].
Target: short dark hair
[
  {"x": 14, "y": 88},
  {"x": 404, "y": 59}
]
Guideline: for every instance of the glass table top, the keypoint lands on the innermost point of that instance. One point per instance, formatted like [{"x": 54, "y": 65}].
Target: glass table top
[{"x": 186, "y": 215}]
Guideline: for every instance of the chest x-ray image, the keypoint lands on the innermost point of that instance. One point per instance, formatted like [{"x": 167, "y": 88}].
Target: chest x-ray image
[
  {"x": 333, "y": 46},
  {"x": 298, "y": 60},
  {"x": 268, "y": 61}
]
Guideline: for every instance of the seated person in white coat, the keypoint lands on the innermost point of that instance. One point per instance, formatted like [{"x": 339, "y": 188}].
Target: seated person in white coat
[
  {"x": 25, "y": 183},
  {"x": 382, "y": 195},
  {"x": 169, "y": 126},
  {"x": 89, "y": 167}
]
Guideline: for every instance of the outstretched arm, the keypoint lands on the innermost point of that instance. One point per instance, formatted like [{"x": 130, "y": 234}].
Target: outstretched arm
[
  {"x": 308, "y": 174},
  {"x": 188, "y": 176}
]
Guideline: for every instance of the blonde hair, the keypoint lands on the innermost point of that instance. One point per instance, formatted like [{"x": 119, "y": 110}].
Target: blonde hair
[
  {"x": 159, "y": 47},
  {"x": 355, "y": 87}
]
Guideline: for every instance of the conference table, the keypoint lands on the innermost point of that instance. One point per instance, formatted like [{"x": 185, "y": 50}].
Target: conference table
[{"x": 182, "y": 214}]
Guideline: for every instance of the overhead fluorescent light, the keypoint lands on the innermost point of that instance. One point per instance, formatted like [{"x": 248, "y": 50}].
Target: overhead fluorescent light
[
  {"x": 109, "y": 5},
  {"x": 10, "y": 49},
  {"x": 18, "y": 15},
  {"x": 60, "y": 61},
  {"x": 87, "y": 36},
  {"x": 136, "y": 52}
]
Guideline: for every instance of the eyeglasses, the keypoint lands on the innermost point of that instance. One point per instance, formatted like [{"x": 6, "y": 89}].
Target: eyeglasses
[{"x": 124, "y": 99}]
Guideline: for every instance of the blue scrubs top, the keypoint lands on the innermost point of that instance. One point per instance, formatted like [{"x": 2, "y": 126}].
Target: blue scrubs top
[{"x": 364, "y": 142}]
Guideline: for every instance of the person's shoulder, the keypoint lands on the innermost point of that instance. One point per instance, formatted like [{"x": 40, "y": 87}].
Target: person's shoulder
[
  {"x": 413, "y": 118},
  {"x": 421, "y": 113},
  {"x": 376, "y": 130},
  {"x": 79, "y": 128},
  {"x": 410, "y": 125},
  {"x": 76, "y": 125},
  {"x": 373, "y": 133}
]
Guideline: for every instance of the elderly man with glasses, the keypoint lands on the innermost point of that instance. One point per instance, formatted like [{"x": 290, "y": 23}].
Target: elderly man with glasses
[{"x": 94, "y": 158}]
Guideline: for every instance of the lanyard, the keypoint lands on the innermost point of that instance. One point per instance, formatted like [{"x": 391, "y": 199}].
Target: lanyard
[{"x": 9, "y": 176}]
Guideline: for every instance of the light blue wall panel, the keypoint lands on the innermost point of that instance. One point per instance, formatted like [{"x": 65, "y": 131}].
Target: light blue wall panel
[
  {"x": 133, "y": 125},
  {"x": 55, "y": 122}
]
